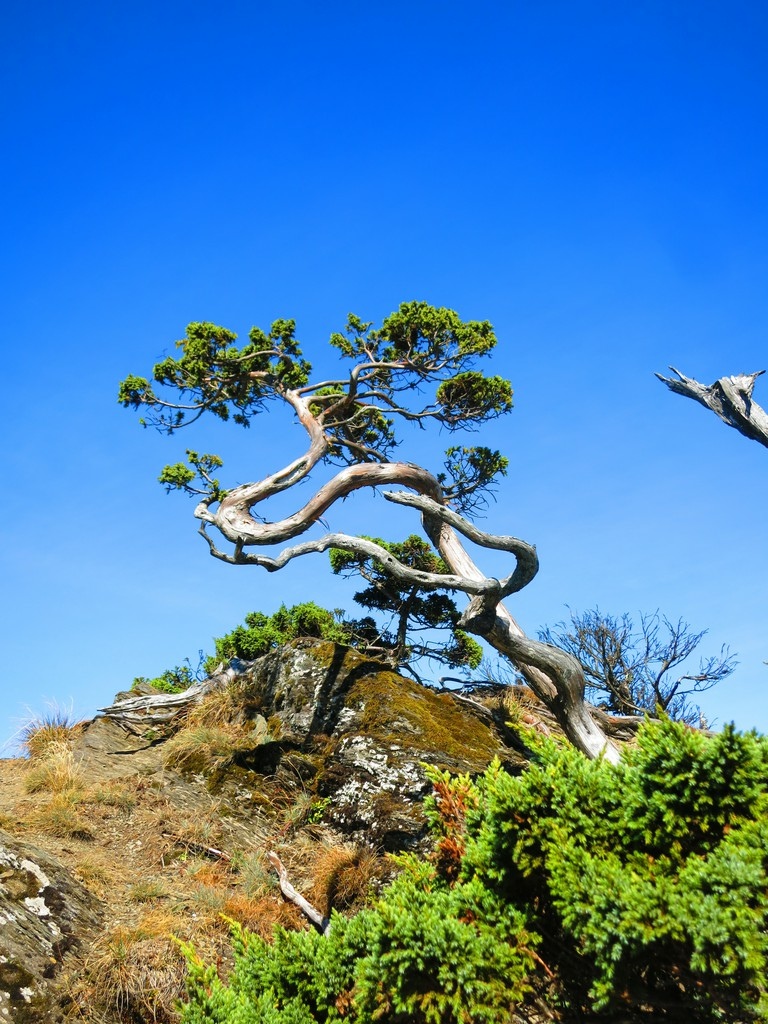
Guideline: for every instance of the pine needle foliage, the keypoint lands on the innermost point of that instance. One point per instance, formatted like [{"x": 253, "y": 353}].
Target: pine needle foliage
[
  {"x": 638, "y": 889},
  {"x": 411, "y": 615},
  {"x": 647, "y": 880}
]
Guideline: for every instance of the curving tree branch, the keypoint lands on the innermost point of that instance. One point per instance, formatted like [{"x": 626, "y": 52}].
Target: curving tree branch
[{"x": 313, "y": 915}]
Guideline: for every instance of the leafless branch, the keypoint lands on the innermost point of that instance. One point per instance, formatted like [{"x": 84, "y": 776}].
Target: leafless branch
[
  {"x": 730, "y": 398},
  {"x": 313, "y": 915}
]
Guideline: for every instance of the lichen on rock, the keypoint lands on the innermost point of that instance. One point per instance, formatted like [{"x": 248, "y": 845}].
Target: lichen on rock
[
  {"x": 44, "y": 912},
  {"x": 368, "y": 732}
]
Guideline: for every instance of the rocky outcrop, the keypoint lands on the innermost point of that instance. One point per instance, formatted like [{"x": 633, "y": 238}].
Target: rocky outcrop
[
  {"x": 44, "y": 912},
  {"x": 345, "y": 729},
  {"x": 359, "y": 735}
]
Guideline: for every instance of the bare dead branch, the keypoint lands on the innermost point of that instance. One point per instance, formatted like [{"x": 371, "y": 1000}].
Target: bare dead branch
[
  {"x": 206, "y": 851},
  {"x": 322, "y": 923},
  {"x": 137, "y": 713},
  {"x": 729, "y": 398}
]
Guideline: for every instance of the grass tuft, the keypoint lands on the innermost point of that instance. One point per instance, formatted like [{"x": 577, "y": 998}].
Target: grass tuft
[
  {"x": 54, "y": 768},
  {"x": 59, "y": 816},
  {"x": 343, "y": 877},
  {"x": 209, "y": 749},
  {"x": 55, "y": 726},
  {"x": 146, "y": 891},
  {"x": 135, "y": 973},
  {"x": 226, "y": 705}
]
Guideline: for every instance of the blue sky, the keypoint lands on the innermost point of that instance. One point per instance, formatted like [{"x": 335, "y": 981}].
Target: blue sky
[{"x": 591, "y": 177}]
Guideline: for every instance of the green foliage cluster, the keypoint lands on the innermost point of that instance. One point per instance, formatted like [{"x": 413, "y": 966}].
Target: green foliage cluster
[
  {"x": 418, "y": 347},
  {"x": 649, "y": 878},
  {"x": 213, "y": 374},
  {"x": 173, "y": 680},
  {"x": 261, "y": 633},
  {"x": 470, "y": 474},
  {"x": 420, "y": 955},
  {"x": 416, "y": 335},
  {"x": 639, "y": 888}
]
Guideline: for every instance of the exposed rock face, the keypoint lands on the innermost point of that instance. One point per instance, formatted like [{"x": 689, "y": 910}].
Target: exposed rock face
[
  {"x": 345, "y": 730},
  {"x": 44, "y": 912},
  {"x": 360, "y": 735}
]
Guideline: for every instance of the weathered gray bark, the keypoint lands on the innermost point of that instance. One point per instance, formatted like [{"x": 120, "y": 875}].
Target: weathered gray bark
[
  {"x": 555, "y": 677},
  {"x": 729, "y": 398},
  {"x": 137, "y": 714}
]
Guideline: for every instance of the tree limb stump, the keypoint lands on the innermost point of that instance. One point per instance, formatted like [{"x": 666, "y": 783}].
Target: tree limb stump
[{"x": 729, "y": 398}]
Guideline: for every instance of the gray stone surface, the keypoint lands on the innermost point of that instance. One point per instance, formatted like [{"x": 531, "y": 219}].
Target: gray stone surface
[
  {"x": 361, "y": 735},
  {"x": 44, "y": 913}
]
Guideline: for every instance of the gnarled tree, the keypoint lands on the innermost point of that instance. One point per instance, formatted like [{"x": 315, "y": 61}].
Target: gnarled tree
[{"x": 419, "y": 367}]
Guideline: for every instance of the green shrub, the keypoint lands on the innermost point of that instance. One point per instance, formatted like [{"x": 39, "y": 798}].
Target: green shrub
[
  {"x": 639, "y": 888},
  {"x": 261, "y": 633},
  {"x": 173, "y": 680},
  {"x": 417, "y": 956},
  {"x": 648, "y": 879}
]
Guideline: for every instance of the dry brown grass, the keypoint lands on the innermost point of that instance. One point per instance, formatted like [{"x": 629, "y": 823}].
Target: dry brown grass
[
  {"x": 256, "y": 877},
  {"x": 194, "y": 834},
  {"x": 208, "y": 749},
  {"x": 113, "y": 794},
  {"x": 211, "y": 872},
  {"x": 207, "y": 902},
  {"x": 60, "y": 816},
  {"x": 223, "y": 725},
  {"x": 55, "y": 726},
  {"x": 225, "y": 706},
  {"x": 54, "y": 769},
  {"x": 146, "y": 844},
  {"x": 260, "y": 915},
  {"x": 342, "y": 877},
  {"x": 146, "y": 890},
  {"x": 133, "y": 973},
  {"x": 96, "y": 875}
]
